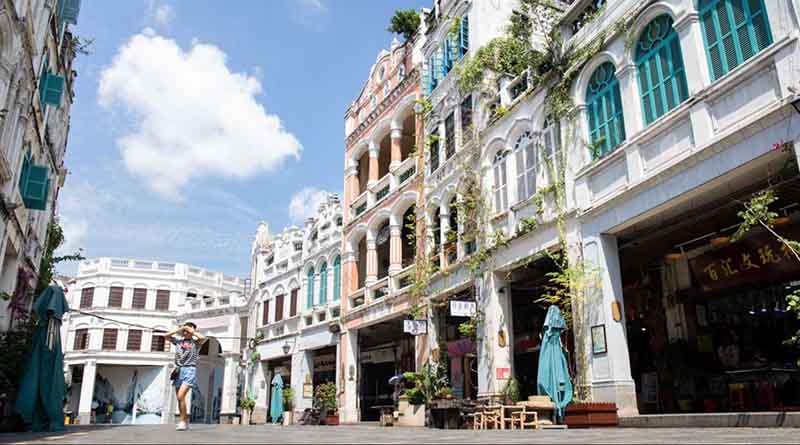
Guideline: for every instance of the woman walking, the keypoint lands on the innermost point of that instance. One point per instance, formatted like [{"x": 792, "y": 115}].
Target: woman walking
[{"x": 188, "y": 342}]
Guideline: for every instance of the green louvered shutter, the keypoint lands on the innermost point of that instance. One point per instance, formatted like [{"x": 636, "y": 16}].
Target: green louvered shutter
[
  {"x": 69, "y": 11},
  {"x": 604, "y": 110},
  {"x": 323, "y": 284},
  {"x": 437, "y": 66},
  {"x": 426, "y": 78},
  {"x": 464, "y": 37},
  {"x": 451, "y": 51},
  {"x": 337, "y": 278},
  {"x": 53, "y": 90},
  {"x": 34, "y": 193},
  {"x": 310, "y": 290}
]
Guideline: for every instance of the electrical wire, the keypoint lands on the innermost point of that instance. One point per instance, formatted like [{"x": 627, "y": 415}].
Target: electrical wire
[{"x": 135, "y": 325}]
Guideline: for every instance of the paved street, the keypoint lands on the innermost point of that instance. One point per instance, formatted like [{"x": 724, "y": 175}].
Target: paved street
[{"x": 374, "y": 434}]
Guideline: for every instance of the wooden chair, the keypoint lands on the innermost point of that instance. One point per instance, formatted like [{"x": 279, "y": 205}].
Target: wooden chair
[
  {"x": 475, "y": 420},
  {"x": 492, "y": 417},
  {"x": 525, "y": 418}
]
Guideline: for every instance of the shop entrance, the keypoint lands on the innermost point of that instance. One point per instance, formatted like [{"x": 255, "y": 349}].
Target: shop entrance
[
  {"x": 384, "y": 351},
  {"x": 282, "y": 366},
  {"x": 324, "y": 366},
  {"x": 706, "y": 317},
  {"x": 457, "y": 347},
  {"x": 528, "y": 284}
]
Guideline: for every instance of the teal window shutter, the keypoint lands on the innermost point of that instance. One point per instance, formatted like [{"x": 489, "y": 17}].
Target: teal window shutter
[
  {"x": 438, "y": 66},
  {"x": 36, "y": 187},
  {"x": 733, "y": 32},
  {"x": 53, "y": 90},
  {"x": 604, "y": 109},
  {"x": 323, "y": 284},
  {"x": 464, "y": 37},
  {"x": 310, "y": 296},
  {"x": 337, "y": 278},
  {"x": 662, "y": 76},
  {"x": 426, "y": 78},
  {"x": 69, "y": 10}
]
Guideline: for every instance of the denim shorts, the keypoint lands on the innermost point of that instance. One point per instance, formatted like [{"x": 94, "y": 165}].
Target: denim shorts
[{"x": 187, "y": 375}]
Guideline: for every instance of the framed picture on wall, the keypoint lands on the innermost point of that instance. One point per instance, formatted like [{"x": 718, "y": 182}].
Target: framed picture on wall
[{"x": 599, "y": 345}]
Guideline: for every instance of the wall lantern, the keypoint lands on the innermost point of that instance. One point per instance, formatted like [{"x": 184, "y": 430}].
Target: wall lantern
[{"x": 286, "y": 348}]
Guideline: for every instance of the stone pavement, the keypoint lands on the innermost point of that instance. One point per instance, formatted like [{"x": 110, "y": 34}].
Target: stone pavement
[{"x": 374, "y": 434}]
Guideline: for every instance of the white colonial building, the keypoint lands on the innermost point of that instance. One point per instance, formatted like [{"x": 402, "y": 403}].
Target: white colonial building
[
  {"x": 294, "y": 307},
  {"x": 115, "y": 353},
  {"x": 37, "y": 49}
]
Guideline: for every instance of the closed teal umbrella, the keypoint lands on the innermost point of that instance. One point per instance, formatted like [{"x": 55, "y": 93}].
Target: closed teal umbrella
[
  {"x": 276, "y": 401},
  {"x": 553, "y": 378},
  {"x": 41, "y": 394}
]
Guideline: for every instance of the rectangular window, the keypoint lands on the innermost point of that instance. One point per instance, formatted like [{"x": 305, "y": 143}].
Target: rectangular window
[
  {"x": 109, "y": 339},
  {"x": 139, "y": 298},
  {"x": 158, "y": 342},
  {"x": 115, "y": 297},
  {"x": 293, "y": 304},
  {"x": 134, "y": 340},
  {"x": 500, "y": 189},
  {"x": 434, "y": 149},
  {"x": 466, "y": 119},
  {"x": 450, "y": 136},
  {"x": 265, "y": 315},
  {"x": 81, "y": 340},
  {"x": 87, "y": 298},
  {"x": 279, "y": 308},
  {"x": 162, "y": 300}
]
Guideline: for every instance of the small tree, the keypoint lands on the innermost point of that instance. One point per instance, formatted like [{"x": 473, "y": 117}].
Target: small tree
[{"x": 405, "y": 22}]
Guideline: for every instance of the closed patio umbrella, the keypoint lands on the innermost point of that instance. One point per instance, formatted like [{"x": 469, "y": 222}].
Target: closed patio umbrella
[
  {"x": 276, "y": 401},
  {"x": 553, "y": 377},
  {"x": 41, "y": 394}
]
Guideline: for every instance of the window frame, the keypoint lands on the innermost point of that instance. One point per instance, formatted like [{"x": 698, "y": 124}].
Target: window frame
[
  {"x": 526, "y": 170},
  {"x": 137, "y": 347},
  {"x": 607, "y": 95},
  {"x": 110, "y": 334},
  {"x": 500, "y": 190}
]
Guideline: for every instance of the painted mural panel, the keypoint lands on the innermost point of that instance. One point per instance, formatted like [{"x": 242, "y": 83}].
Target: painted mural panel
[{"x": 119, "y": 390}]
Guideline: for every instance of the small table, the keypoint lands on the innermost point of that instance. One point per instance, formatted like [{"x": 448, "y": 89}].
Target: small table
[{"x": 446, "y": 413}]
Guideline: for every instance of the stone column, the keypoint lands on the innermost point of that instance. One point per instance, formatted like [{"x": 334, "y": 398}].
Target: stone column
[
  {"x": 397, "y": 148},
  {"x": 609, "y": 373},
  {"x": 690, "y": 34},
  {"x": 495, "y": 358},
  {"x": 350, "y": 186},
  {"x": 302, "y": 367},
  {"x": 395, "y": 249},
  {"x": 87, "y": 392},
  {"x": 372, "y": 261},
  {"x": 444, "y": 229},
  {"x": 168, "y": 394},
  {"x": 349, "y": 344},
  {"x": 631, "y": 110},
  {"x": 374, "y": 151},
  {"x": 350, "y": 278},
  {"x": 230, "y": 384}
]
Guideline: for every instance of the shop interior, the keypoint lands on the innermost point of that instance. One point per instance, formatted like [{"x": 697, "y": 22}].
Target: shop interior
[
  {"x": 282, "y": 366},
  {"x": 457, "y": 353},
  {"x": 528, "y": 284},
  {"x": 385, "y": 351},
  {"x": 706, "y": 315}
]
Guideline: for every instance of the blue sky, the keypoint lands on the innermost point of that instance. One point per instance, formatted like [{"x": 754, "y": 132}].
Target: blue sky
[{"x": 192, "y": 123}]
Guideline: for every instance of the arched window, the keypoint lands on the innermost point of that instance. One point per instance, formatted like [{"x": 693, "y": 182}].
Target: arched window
[
  {"x": 500, "y": 181},
  {"x": 323, "y": 284},
  {"x": 551, "y": 139},
  {"x": 526, "y": 166},
  {"x": 604, "y": 106},
  {"x": 337, "y": 278},
  {"x": 310, "y": 289},
  {"x": 733, "y": 31},
  {"x": 662, "y": 77}
]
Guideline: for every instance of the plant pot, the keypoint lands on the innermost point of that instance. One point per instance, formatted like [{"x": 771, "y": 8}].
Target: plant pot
[
  {"x": 246, "y": 417},
  {"x": 586, "y": 415},
  {"x": 332, "y": 420},
  {"x": 288, "y": 418}
]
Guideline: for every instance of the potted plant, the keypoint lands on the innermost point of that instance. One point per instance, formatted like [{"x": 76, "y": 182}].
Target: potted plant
[
  {"x": 247, "y": 404},
  {"x": 326, "y": 399},
  {"x": 511, "y": 392},
  {"x": 288, "y": 406}
]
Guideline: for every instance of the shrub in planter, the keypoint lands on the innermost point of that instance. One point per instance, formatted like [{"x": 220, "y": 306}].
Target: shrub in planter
[
  {"x": 511, "y": 392},
  {"x": 325, "y": 396},
  {"x": 288, "y": 406},
  {"x": 247, "y": 404}
]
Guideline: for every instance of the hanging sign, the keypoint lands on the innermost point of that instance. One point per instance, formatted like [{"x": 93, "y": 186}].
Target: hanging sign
[
  {"x": 462, "y": 308},
  {"x": 415, "y": 327}
]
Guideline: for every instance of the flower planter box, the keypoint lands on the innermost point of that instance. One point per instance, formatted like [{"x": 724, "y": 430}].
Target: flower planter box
[
  {"x": 332, "y": 420},
  {"x": 588, "y": 415}
]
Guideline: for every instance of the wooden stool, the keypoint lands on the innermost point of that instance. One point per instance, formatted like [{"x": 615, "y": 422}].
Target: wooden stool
[
  {"x": 491, "y": 417},
  {"x": 525, "y": 418},
  {"x": 476, "y": 419}
]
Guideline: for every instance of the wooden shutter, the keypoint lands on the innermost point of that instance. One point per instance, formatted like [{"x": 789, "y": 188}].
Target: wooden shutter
[
  {"x": 81, "y": 339},
  {"x": 279, "y": 308},
  {"x": 53, "y": 90},
  {"x": 293, "y": 304},
  {"x": 139, "y": 298},
  {"x": 69, "y": 11},
  {"x": 337, "y": 278},
  {"x": 109, "y": 339},
  {"x": 87, "y": 298},
  {"x": 134, "y": 340},
  {"x": 162, "y": 300},
  {"x": 115, "y": 297},
  {"x": 35, "y": 187},
  {"x": 158, "y": 342},
  {"x": 265, "y": 315}
]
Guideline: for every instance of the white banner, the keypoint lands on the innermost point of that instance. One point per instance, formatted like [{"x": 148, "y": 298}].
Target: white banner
[
  {"x": 415, "y": 327},
  {"x": 462, "y": 308}
]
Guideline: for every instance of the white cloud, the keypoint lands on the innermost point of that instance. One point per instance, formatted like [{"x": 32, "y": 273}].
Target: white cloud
[
  {"x": 305, "y": 203},
  {"x": 163, "y": 15},
  {"x": 76, "y": 233},
  {"x": 193, "y": 117},
  {"x": 316, "y": 5}
]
